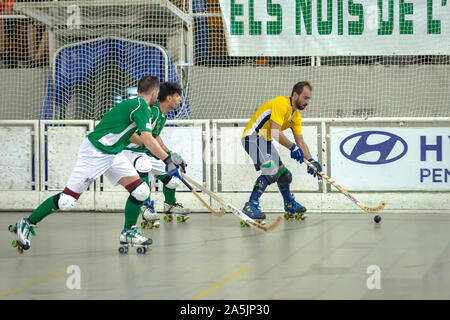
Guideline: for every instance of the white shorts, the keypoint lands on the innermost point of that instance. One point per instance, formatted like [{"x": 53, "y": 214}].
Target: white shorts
[
  {"x": 92, "y": 163},
  {"x": 158, "y": 166}
]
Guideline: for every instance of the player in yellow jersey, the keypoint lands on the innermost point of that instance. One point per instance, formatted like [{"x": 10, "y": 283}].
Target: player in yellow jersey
[{"x": 267, "y": 123}]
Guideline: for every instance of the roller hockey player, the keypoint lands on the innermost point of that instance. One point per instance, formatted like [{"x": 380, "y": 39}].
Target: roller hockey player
[
  {"x": 150, "y": 167},
  {"x": 267, "y": 123}
]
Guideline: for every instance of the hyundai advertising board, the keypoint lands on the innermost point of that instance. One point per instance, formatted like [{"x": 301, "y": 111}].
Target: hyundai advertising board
[{"x": 391, "y": 159}]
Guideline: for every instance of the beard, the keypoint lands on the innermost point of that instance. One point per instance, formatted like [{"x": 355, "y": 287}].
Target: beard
[{"x": 299, "y": 106}]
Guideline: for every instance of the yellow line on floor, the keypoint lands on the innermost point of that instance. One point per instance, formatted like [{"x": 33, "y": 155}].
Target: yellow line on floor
[
  {"x": 55, "y": 275},
  {"x": 220, "y": 283}
]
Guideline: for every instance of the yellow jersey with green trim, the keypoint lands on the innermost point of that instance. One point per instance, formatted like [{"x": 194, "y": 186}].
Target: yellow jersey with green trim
[{"x": 277, "y": 110}]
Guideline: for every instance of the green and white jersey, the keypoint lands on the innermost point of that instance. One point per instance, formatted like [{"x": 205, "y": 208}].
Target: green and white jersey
[
  {"x": 114, "y": 131},
  {"x": 157, "y": 120}
]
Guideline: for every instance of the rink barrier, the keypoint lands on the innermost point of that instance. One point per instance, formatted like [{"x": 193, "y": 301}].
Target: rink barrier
[{"x": 43, "y": 170}]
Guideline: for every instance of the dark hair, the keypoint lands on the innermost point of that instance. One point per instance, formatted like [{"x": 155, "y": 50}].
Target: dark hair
[
  {"x": 147, "y": 84},
  {"x": 298, "y": 88},
  {"x": 167, "y": 89}
]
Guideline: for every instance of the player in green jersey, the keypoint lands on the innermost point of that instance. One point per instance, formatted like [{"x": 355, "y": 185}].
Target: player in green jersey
[
  {"x": 150, "y": 167},
  {"x": 101, "y": 153}
]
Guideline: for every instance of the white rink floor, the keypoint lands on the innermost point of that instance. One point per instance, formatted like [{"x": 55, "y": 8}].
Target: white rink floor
[{"x": 324, "y": 257}]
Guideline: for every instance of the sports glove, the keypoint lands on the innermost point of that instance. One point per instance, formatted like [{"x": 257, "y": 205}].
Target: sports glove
[
  {"x": 171, "y": 168},
  {"x": 312, "y": 171},
  {"x": 296, "y": 154},
  {"x": 178, "y": 160}
]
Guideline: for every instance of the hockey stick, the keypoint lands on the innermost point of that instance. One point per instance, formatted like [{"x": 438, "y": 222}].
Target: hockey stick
[
  {"x": 347, "y": 194},
  {"x": 214, "y": 212},
  {"x": 235, "y": 210}
]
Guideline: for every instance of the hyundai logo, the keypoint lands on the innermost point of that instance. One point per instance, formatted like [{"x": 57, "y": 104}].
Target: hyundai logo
[{"x": 383, "y": 147}]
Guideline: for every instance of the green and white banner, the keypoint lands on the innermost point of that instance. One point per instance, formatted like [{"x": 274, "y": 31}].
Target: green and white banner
[{"x": 336, "y": 27}]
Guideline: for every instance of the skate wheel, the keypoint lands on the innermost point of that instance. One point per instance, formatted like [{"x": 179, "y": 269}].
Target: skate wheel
[
  {"x": 14, "y": 243},
  {"x": 296, "y": 216},
  {"x": 157, "y": 226},
  {"x": 287, "y": 216},
  {"x": 180, "y": 219},
  {"x": 303, "y": 216},
  {"x": 140, "y": 250},
  {"x": 243, "y": 224},
  {"x": 143, "y": 224},
  {"x": 148, "y": 249},
  {"x": 11, "y": 228},
  {"x": 123, "y": 250},
  {"x": 150, "y": 225},
  {"x": 170, "y": 218},
  {"x": 19, "y": 250}
]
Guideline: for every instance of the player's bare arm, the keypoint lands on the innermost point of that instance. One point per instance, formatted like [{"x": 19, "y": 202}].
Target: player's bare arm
[
  {"x": 279, "y": 136},
  {"x": 136, "y": 139},
  {"x": 301, "y": 143},
  {"x": 161, "y": 143},
  {"x": 153, "y": 145}
]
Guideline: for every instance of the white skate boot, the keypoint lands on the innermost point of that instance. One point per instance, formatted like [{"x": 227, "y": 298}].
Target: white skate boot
[
  {"x": 176, "y": 209},
  {"x": 23, "y": 229},
  {"x": 150, "y": 218},
  {"x": 133, "y": 238}
]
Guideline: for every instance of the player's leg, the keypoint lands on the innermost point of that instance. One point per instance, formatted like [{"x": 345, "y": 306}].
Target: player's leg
[
  {"x": 290, "y": 205},
  {"x": 87, "y": 168},
  {"x": 171, "y": 206},
  {"x": 265, "y": 158},
  {"x": 122, "y": 172},
  {"x": 143, "y": 165}
]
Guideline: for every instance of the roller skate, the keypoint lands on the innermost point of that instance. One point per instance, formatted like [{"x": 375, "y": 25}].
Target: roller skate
[
  {"x": 252, "y": 210},
  {"x": 133, "y": 238},
  {"x": 294, "y": 210},
  {"x": 175, "y": 210},
  {"x": 150, "y": 218},
  {"x": 23, "y": 229}
]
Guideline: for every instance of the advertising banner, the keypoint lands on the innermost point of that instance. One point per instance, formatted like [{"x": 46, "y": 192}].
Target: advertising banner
[
  {"x": 391, "y": 159},
  {"x": 336, "y": 27}
]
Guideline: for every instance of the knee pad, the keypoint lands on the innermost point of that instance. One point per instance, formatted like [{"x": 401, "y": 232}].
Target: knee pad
[
  {"x": 173, "y": 183},
  {"x": 270, "y": 171},
  {"x": 285, "y": 179},
  {"x": 66, "y": 202},
  {"x": 141, "y": 192},
  {"x": 143, "y": 165}
]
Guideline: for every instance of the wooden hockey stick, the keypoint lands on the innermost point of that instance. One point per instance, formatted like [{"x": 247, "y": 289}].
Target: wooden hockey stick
[
  {"x": 347, "y": 194},
  {"x": 235, "y": 210},
  {"x": 210, "y": 209}
]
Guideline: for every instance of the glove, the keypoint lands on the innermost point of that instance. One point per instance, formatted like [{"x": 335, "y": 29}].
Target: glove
[
  {"x": 171, "y": 168},
  {"x": 178, "y": 160},
  {"x": 296, "y": 154},
  {"x": 311, "y": 170}
]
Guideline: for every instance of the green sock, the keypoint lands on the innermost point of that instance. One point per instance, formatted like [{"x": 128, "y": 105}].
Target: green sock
[
  {"x": 169, "y": 195},
  {"x": 147, "y": 181},
  {"x": 132, "y": 210},
  {"x": 47, "y": 207}
]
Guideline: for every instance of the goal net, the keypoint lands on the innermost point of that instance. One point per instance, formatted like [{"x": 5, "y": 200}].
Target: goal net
[
  {"x": 389, "y": 85},
  {"x": 76, "y": 59},
  {"x": 95, "y": 53}
]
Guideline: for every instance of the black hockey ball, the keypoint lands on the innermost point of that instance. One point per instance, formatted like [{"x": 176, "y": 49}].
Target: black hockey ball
[{"x": 377, "y": 219}]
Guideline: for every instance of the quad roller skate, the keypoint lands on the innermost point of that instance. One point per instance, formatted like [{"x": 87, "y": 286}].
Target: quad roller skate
[
  {"x": 294, "y": 210},
  {"x": 22, "y": 229},
  {"x": 132, "y": 238},
  {"x": 177, "y": 211},
  {"x": 150, "y": 219},
  {"x": 252, "y": 210}
]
